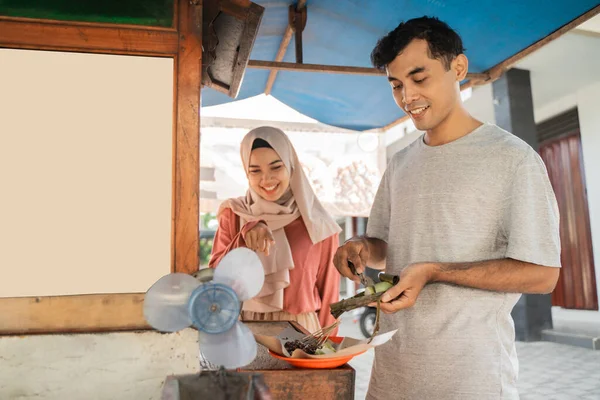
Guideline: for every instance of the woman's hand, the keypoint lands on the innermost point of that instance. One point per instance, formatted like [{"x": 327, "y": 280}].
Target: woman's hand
[{"x": 260, "y": 238}]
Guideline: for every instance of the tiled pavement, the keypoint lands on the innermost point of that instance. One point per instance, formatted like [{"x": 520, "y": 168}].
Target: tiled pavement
[
  {"x": 548, "y": 371},
  {"x": 552, "y": 371}
]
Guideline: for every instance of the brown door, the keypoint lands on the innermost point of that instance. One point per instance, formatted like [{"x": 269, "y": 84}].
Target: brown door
[{"x": 576, "y": 286}]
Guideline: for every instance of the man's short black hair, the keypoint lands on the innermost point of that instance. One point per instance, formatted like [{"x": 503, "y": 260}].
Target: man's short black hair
[{"x": 444, "y": 43}]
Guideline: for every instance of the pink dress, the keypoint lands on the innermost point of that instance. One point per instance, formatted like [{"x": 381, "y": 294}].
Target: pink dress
[{"x": 314, "y": 281}]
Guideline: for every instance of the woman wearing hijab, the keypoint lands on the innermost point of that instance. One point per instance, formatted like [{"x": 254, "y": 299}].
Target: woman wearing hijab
[{"x": 282, "y": 220}]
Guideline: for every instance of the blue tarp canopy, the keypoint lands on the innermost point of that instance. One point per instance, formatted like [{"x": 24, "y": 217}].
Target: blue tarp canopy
[{"x": 343, "y": 32}]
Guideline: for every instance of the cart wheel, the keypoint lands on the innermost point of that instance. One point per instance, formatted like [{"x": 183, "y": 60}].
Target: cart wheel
[{"x": 367, "y": 321}]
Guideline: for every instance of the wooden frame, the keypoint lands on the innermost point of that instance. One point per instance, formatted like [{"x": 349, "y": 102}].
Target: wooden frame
[
  {"x": 187, "y": 139},
  {"x": 33, "y": 34},
  {"x": 111, "y": 312},
  {"x": 331, "y": 69},
  {"x": 328, "y": 69},
  {"x": 67, "y": 314}
]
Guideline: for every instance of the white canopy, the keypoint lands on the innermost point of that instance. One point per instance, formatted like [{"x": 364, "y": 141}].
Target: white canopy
[{"x": 345, "y": 167}]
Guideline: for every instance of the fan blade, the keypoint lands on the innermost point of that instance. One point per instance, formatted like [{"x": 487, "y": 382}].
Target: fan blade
[
  {"x": 242, "y": 270},
  {"x": 233, "y": 349},
  {"x": 165, "y": 303}
]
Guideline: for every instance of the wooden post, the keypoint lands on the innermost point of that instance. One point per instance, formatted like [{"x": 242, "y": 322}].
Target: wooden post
[
  {"x": 187, "y": 137},
  {"x": 297, "y": 21}
]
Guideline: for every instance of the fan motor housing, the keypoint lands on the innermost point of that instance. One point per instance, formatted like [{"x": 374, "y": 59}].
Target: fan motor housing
[{"x": 214, "y": 308}]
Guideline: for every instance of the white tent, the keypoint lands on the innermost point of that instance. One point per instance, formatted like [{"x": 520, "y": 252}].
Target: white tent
[{"x": 344, "y": 166}]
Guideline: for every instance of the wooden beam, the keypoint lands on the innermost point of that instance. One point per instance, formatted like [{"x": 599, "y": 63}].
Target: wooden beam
[
  {"x": 242, "y": 3},
  {"x": 335, "y": 69},
  {"x": 175, "y": 23},
  {"x": 496, "y": 71},
  {"x": 33, "y": 34},
  {"x": 287, "y": 37},
  {"x": 297, "y": 21},
  {"x": 85, "y": 313},
  {"x": 330, "y": 69},
  {"x": 285, "y": 42},
  {"x": 474, "y": 77},
  {"x": 187, "y": 137}
]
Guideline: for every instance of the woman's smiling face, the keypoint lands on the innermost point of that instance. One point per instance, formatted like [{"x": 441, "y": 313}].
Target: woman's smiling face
[{"x": 267, "y": 174}]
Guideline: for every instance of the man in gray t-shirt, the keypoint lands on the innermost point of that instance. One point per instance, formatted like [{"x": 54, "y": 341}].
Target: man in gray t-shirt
[{"x": 467, "y": 217}]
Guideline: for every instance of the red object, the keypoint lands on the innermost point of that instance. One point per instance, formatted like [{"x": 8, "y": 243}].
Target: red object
[
  {"x": 576, "y": 287},
  {"x": 318, "y": 363},
  {"x": 314, "y": 281}
]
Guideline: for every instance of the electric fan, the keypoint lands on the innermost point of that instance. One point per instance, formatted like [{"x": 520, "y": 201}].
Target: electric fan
[{"x": 177, "y": 301}]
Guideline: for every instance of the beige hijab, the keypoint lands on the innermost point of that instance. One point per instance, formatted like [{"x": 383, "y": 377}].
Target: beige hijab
[{"x": 300, "y": 200}]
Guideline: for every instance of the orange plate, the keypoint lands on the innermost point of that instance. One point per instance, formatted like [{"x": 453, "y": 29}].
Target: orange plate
[{"x": 318, "y": 363}]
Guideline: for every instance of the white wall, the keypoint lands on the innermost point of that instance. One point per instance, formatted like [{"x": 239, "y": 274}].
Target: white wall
[
  {"x": 481, "y": 104},
  {"x": 563, "y": 66},
  {"x": 123, "y": 366},
  {"x": 588, "y": 104},
  {"x": 554, "y": 108}
]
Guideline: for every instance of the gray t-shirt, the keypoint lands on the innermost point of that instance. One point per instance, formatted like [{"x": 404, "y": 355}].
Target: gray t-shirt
[{"x": 484, "y": 196}]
